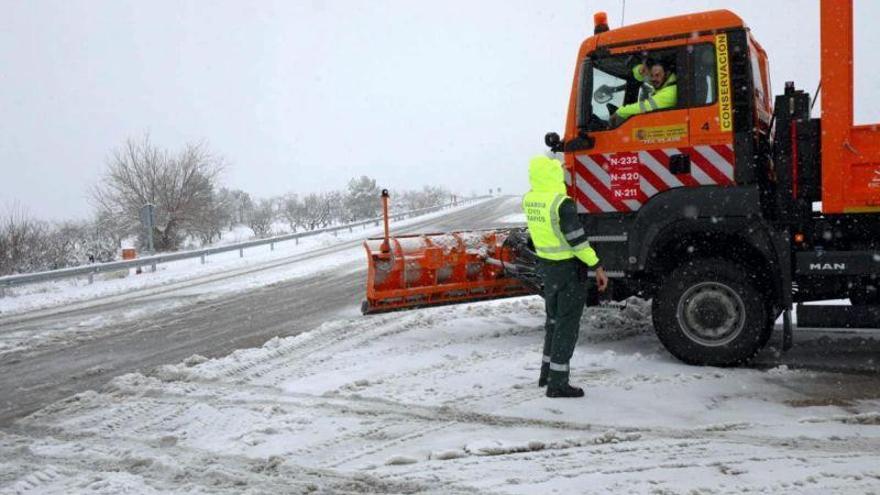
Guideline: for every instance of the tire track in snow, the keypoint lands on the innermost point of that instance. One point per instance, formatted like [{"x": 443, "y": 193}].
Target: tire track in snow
[
  {"x": 75, "y": 469},
  {"x": 652, "y": 457},
  {"x": 296, "y": 352}
]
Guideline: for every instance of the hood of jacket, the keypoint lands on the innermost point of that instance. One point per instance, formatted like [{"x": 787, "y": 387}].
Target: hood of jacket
[{"x": 546, "y": 175}]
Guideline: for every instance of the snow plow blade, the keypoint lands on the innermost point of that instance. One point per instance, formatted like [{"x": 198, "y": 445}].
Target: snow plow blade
[{"x": 416, "y": 271}]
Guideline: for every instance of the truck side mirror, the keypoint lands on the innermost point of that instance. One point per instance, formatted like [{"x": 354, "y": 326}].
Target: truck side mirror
[
  {"x": 582, "y": 142},
  {"x": 551, "y": 139}
]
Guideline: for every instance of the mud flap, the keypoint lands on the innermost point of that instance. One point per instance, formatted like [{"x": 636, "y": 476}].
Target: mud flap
[{"x": 787, "y": 331}]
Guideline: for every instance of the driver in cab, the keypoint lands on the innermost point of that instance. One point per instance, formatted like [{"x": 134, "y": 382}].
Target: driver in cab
[{"x": 661, "y": 91}]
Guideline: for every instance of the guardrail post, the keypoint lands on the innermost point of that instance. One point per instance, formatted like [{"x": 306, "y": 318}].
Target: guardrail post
[
  {"x": 271, "y": 246},
  {"x": 335, "y": 233},
  {"x": 2, "y": 291},
  {"x": 241, "y": 253},
  {"x": 297, "y": 240},
  {"x": 153, "y": 267},
  {"x": 203, "y": 259},
  {"x": 350, "y": 228},
  {"x": 91, "y": 278}
]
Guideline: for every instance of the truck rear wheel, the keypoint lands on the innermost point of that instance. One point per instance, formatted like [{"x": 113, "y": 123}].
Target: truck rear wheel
[{"x": 707, "y": 312}]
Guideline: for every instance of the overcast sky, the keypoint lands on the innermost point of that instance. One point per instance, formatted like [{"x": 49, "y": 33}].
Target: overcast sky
[{"x": 300, "y": 96}]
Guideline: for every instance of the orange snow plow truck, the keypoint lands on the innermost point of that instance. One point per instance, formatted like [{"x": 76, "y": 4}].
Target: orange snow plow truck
[{"x": 724, "y": 205}]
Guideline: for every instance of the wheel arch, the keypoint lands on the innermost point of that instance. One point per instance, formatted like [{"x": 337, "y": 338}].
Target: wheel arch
[
  {"x": 736, "y": 241},
  {"x": 685, "y": 224}
]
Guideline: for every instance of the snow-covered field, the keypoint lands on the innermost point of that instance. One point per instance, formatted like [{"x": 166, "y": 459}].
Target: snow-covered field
[{"x": 445, "y": 400}]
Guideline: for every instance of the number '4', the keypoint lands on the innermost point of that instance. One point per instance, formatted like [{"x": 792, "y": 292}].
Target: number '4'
[{"x": 705, "y": 126}]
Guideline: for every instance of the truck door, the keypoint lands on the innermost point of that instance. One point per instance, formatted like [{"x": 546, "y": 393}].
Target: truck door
[
  {"x": 711, "y": 149},
  {"x": 643, "y": 152},
  {"x": 634, "y": 157}
]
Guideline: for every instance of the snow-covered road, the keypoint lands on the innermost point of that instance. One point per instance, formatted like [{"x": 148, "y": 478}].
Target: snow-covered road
[
  {"x": 444, "y": 400},
  {"x": 81, "y": 337}
]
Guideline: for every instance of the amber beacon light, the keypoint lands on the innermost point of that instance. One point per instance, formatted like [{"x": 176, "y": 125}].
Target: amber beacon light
[{"x": 600, "y": 22}]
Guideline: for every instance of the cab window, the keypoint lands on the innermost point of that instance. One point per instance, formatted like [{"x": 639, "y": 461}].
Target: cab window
[
  {"x": 757, "y": 80},
  {"x": 610, "y": 92},
  {"x": 704, "y": 84},
  {"x": 616, "y": 88}
]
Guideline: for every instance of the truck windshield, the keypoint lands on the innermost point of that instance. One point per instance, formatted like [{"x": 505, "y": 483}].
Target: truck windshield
[
  {"x": 603, "y": 89},
  {"x": 608, "y": 93}
]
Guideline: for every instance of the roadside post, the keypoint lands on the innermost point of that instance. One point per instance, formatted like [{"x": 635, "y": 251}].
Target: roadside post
[{"x": 148, "y": 220}]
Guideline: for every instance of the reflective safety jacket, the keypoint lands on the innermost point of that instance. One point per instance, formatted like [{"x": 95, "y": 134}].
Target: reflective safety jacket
[
  {"x": 664, "y": 97},
  {"x": 552, "y": 216}
]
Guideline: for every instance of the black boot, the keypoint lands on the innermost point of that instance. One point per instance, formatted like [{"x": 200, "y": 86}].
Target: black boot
[
  {"x": 565, "y": 391},
  {"x": 542, "y": 381}
]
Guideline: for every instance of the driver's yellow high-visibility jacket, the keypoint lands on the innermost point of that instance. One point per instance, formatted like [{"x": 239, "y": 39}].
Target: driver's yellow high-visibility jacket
[{"x": 665, "y": 97}]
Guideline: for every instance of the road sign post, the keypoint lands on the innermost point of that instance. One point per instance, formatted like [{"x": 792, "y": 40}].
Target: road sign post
[{"x": 148, "y": 220}]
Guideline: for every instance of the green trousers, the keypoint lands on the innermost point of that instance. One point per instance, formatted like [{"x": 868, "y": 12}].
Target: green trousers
[{"x": 564, "y": 296}]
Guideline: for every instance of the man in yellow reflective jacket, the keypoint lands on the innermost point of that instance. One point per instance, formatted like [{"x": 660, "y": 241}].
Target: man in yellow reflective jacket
[
  {"x": 563, "y": 257},
  {"x": 663, "y": 91}
]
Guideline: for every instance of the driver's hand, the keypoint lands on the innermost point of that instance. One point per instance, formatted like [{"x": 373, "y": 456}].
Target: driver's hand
[
  {"x": 643, "y": 70},
  {"x": 601, "y": 279},
  {"x": 614, "y": 120}
]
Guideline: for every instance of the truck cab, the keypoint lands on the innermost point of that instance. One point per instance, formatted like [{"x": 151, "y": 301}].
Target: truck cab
[{"x": 722, "y": 112}]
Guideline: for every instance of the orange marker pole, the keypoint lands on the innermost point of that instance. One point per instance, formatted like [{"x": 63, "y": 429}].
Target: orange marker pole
[{"x": 386, "y": 247}]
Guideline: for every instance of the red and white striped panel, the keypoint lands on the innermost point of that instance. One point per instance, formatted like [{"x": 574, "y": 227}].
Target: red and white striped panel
[{"x": 623, "y": 182}]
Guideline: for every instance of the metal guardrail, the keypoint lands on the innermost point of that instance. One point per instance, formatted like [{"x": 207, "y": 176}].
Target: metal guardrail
[{"x": 91, "y": 270}]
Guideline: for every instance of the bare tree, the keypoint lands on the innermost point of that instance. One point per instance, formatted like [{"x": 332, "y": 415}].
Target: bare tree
[
  {"x": 180, "y": 186},
  {"x": 28, "y": 244},
  {"x": 335, "y": 206},
  {"x": 100, "y": 243},
  {"x": 210, "y": 221},
  {"x": 110, "y": 228},
  {"x": 293, "y": 211},
  {"x": 237, "y": 203},
  {"x": 73, "y": 243},
  {"x": 261, "y": 217},
  {"x": 23, "y": 242},
  {"x": 316, "y": 211},
  {"x": 424, "y": 198},
  {"x": 65, "y": 243}
]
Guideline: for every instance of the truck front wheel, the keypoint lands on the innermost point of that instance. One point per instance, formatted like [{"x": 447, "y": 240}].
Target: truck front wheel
[{"x": 708, "y": 312}]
